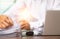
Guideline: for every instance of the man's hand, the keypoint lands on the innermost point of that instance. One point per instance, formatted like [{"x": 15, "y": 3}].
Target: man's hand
[
  {"x": 5, "y": 22},
  {"x": 24, "y": 25}
]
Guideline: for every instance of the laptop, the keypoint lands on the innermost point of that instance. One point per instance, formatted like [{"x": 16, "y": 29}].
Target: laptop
[{"x": 52, "y": 23}]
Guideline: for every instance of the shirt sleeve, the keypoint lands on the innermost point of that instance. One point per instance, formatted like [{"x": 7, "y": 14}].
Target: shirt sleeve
[{"x": 38, "y": 10}]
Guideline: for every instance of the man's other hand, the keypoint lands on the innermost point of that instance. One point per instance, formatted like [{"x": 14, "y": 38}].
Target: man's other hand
[{"x": 5, "y": 22}]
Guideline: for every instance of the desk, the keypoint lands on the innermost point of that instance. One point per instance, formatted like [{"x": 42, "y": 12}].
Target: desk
[{"x": 32, "y": 37}]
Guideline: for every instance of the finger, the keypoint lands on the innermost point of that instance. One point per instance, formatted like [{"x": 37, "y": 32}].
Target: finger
[
  {"x": 6, "y": 20},
  {"x": 22, "y": 27},
  {"x": 10, "y": 22},
  {"x": 2, "y": 26},
  {"x": 5, "y": 23}
]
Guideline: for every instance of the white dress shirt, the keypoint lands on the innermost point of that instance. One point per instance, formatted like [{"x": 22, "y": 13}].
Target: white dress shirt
[
  {"x": 35, "y": 8},
  {"x": 53, "y": 5}
]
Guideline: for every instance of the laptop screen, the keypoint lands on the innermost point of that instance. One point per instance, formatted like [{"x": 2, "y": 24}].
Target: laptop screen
[{"x": 52, "y": 23}]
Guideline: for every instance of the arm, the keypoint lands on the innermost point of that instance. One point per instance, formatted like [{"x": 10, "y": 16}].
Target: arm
[{"x": 37, "y": 27}]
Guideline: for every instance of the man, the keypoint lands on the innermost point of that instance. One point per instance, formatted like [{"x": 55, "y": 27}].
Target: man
[{"x": 34, "y": 10}]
